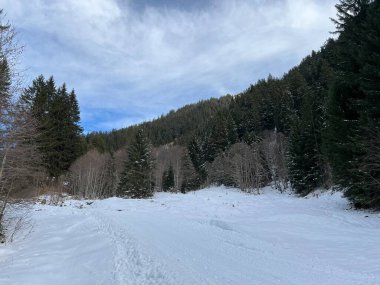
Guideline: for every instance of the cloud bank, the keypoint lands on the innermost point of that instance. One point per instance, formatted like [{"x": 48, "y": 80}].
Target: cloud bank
[{"x": 131, "y": 61}]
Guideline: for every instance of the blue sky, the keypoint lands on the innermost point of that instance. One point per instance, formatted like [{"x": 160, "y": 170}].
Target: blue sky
[{"x": 131, "y": 61}]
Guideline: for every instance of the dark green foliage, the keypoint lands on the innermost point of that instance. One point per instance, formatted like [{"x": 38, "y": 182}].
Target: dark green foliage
[
  {"x": 168, "y": 179},
  {"x": 305, "y": 158},
  {"x": 191, "y": 180},
  {"x": 264, "y": 106},
  {"x": 5, "y": 83},
  {"x": 354, "y": 105},
  {"x": 308, "y": 87},
  {"x": 206, "y": 146},
  {"x": 57, "y": 114},
  {"x": 5, "y": 96},
  {"x": 96, "y": 140},
  {"x": 177, "y": 126},
  {"x": 223, "y": 135},
  {"x": 136, "y": 179},
  {"x": 199, "y": 153}
]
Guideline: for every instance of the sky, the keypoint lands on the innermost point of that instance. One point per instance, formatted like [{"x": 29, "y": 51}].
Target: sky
[{"x": 133, "y": 60}]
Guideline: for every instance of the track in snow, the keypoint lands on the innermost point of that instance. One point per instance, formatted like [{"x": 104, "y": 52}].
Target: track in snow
[{"x": 213, "y": 236}]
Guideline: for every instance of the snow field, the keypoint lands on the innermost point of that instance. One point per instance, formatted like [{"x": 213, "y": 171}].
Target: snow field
[{"x": 212, "y": 236}]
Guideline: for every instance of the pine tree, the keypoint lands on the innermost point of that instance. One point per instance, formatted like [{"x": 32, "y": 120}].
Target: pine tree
[{"x": 136, "y": 179}]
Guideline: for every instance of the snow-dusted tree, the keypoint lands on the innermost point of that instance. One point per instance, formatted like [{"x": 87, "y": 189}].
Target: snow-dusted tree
[
  {"x": 136, "y": 179},
  {"x": 274, "y": 147}
]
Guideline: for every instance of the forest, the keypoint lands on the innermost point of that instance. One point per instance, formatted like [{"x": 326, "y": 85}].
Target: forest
[{"x": 318, "y": 126}]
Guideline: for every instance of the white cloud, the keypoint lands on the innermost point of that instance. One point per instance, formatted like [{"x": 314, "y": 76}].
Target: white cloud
[{"x": 119, "y": 58}]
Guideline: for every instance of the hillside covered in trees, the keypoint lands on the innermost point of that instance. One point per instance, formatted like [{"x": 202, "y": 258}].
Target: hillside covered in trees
[{"x": 316, "y": 126}]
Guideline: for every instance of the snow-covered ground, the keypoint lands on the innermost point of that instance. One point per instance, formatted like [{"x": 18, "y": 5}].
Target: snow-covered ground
[{"x": 212, "y": 236}]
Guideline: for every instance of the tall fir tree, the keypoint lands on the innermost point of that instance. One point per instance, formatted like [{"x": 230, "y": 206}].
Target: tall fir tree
[
  {"x": 305, "y": 159},
  {"x": 354, "y": 108},
  {"x": 308, "y": 87},
  {"x": 191, "y": 179},
  {"x": 5, "y": 97},
  {"x": 223, "y": 134},
  {"x": 168, "y": 179},
  {"x": 58, "y": 118},
  {"x": 200, "y": 154},
  {"x": 136, "y": 179}
]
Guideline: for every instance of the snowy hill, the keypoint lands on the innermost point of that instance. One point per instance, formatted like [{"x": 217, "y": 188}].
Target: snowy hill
[{"x": 212, "y": 236}]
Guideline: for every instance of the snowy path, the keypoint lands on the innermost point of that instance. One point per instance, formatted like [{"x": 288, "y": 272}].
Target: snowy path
[{"x": 213, "y": 236}]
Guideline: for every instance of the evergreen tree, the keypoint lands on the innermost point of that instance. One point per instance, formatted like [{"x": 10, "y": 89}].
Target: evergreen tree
[
  {"x": 57, "y": 115},
  {"x": 354, "y": 108},
  {"x": 305, "y": 160},
  {"x": 308, "y": 88},
  {"x": 136, "y": 179},
  {"x": 5, "y": 97},
  {"x": 199, "y": 154},
  {"x": 191, "y": 180},
  {"x": 223, "y": 134},
  {"x": 168, "y": 179}
]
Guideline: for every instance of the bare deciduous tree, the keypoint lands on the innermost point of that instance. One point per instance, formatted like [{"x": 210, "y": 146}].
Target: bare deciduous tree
[
  {"x": 221, "y": 171},
  {"x": 119, "y": 158},
  {"x": 91, "y": 175},
  {"x": 20, "y": 169},
  {"x": 164, "y": 157},
  {"x": 274, "y": 147},
  {"x": 249, "y": 171}
]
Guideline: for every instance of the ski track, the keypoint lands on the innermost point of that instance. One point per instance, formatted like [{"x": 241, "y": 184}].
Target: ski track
[{"x": 130, "y": 265}]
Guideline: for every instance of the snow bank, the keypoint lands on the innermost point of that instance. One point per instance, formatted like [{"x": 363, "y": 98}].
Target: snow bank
[{"x": 212, "y": 236}]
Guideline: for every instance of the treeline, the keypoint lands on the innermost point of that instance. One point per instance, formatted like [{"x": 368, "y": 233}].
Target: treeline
[
  {"x": 177, "y": 126},
  {"x": 317, "y": 126}
]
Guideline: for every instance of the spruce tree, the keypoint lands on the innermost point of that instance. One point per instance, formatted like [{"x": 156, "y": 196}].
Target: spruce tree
[
  {"x": 354, "y": 108},
  {"x": 57, "y": 114},
  {"x": 305, "y": 160},
  {"x": 191, "y": 180},
  {"x": 168, "y": 179},
  {"x": 5, "y": 97},
  {"x": 199, "y": 153},
  {"x": 136, "y": 179},
  {"x": 223, "y": 134}
]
